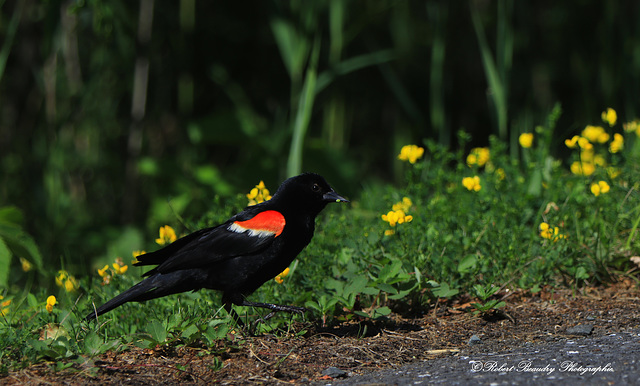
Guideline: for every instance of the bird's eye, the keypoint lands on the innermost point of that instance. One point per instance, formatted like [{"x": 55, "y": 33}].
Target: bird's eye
[{"x": 315, "y": 188}]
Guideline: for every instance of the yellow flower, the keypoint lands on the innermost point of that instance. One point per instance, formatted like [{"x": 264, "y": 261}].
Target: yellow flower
[
  {"x": 26, "y": 265},
  {"x": 103, "y": 272},
  {"x": 571, "y": 143},
  {"x": 526, "y": 140},
  {"x": 472, "y": 183},
  {"x": 282, "y": 275},
  {"x": 71, "y": 284},
  {"x": 584, "y": 143},
  {"x": 391, "y": 217},
  {"x": 135, "y": 256},
  {"x": 394, "y": 217},
  {"x": 500, "y": 173},
  {"x": 4, "y": 306},
  {"x": 403, "y": 205},
  {"x": 120, "y": 269},
  {"x": 617, "y": 144},
  {"x": 411, "y": 153},
  {"x": 258, "y": 194},
  {"x": 397, "y": 214},
  {"x": 66, "y": 281},
  {"x": 583, "y": 168},
  {"x": 478, "y": 156},
  {"x": 167, "y": 235},
  {"x": 547, "y": 232},
  {"x": 61, "y": 277},
  {"x": 51, "y": 301},
  {"x": 610, "y": 116},
  {"x": 587, "y": 155},
  {"x": 599, "y": 160},
  {"x": 633, "y": 126},
  {"x": 595, "y": 134},
  {"x": 599, "y": 187}
]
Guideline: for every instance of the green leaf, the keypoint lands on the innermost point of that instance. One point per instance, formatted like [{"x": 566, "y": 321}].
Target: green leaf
[
  {"x": 336, "y": 285},
  {"x": 500, "y": 304},
  {"x": 157, "y": 331},
  {"x": 11, "y": 214},
  {"x": 32, "y": 301},
  {"x": 380, "y": 312},
  {"x": 217, "y": 329},
  {"x": 293, "y": 49},
  {"x": 401, "y": 294},
  {"x": 581, "y": 273},
  {"x": 387, "y": 288},
  {"x": 351, "y": 65},
  {"x": 485, "y": 292},
  {"x": 15, "y": 239},
  {"x": 418, "y": 275},
  {"x": 371, "y": 291},
  {"x": 5, "y": 264},
  {"x": 313, "y": 305},
  {"x": 357, "y": 285},
  {"x": 535, "y": 183},
  {"x": 92, "y": 343},
  {"x": 390, "y": 271},
  {"x": 468, "y": 264},
  {"x": 190, "y": 331},
  {"x": 443, "y": 291},
  {"x": 362, "y": 314}
]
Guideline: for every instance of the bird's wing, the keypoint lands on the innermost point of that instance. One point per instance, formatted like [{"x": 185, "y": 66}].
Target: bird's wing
[{"x": 245, "y": 234}]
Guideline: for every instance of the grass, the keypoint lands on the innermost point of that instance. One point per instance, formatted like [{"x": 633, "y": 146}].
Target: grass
[{"x": 531, "y": 222}]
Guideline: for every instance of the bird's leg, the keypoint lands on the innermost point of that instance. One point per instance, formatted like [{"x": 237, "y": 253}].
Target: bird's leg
[{"x": 274, "y": 308}]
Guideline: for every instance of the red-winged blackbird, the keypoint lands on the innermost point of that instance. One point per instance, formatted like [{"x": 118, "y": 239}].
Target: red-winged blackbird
[{"x": 240, "y": 255}]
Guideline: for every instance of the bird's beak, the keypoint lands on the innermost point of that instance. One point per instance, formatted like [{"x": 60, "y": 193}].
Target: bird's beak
[{"x": 333, "y": 196}]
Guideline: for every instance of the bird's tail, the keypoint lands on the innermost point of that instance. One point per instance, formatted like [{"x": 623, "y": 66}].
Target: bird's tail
[{"x": 152, "y": 287}]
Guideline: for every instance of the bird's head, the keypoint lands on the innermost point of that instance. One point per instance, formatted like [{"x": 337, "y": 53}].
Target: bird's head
[{"x": 307, "y": 190}]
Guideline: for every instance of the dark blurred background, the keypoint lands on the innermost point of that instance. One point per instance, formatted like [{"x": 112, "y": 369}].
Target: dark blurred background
[{"x": 111, "y": 109}]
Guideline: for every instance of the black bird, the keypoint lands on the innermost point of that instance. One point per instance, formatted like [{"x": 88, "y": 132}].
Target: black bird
[{"x": 240, "y": 255}]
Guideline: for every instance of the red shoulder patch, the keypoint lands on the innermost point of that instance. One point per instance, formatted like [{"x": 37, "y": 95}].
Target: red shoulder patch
[{"x": 265, "y": 223}]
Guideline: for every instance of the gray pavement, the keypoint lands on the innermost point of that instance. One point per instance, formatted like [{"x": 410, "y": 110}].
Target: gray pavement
[{"x": 605, "y": 360}]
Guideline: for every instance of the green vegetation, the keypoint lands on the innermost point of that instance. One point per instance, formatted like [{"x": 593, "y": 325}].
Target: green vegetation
[
  {"x": 436, "y": 119},
  {"x": 518, "y": 225}
]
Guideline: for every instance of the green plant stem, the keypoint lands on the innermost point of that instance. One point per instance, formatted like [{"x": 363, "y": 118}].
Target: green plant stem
[
  {"x": 496, "y": 70},
  {"x": 303, "y": 113},
  {"x": 11, "y": 30}
]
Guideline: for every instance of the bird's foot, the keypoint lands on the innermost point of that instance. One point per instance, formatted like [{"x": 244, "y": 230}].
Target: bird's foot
[{"x": 274, "y": 309}]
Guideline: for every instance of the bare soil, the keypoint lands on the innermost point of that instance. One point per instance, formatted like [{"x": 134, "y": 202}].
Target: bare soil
[{"x": 527, "y": 318}]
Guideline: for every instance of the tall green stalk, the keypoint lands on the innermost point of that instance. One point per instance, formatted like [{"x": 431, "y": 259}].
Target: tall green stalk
[
  {"x": 11, "y": 30},
  {"x": 437, "y": 13},
  {"x": 303, "y": 112},
  {"x": 497, "y": 70}
]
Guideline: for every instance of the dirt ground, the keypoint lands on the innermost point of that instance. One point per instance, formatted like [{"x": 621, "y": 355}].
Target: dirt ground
[{"x": 542, "y": 317}]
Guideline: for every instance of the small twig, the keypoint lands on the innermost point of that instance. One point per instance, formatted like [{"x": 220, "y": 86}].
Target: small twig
[
  {"x": 257, "y": 357},
  {"x": 392, "y": 335}
]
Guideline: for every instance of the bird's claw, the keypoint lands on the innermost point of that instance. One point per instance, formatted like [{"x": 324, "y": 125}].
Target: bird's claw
[{"x": 278, "y": 308}]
